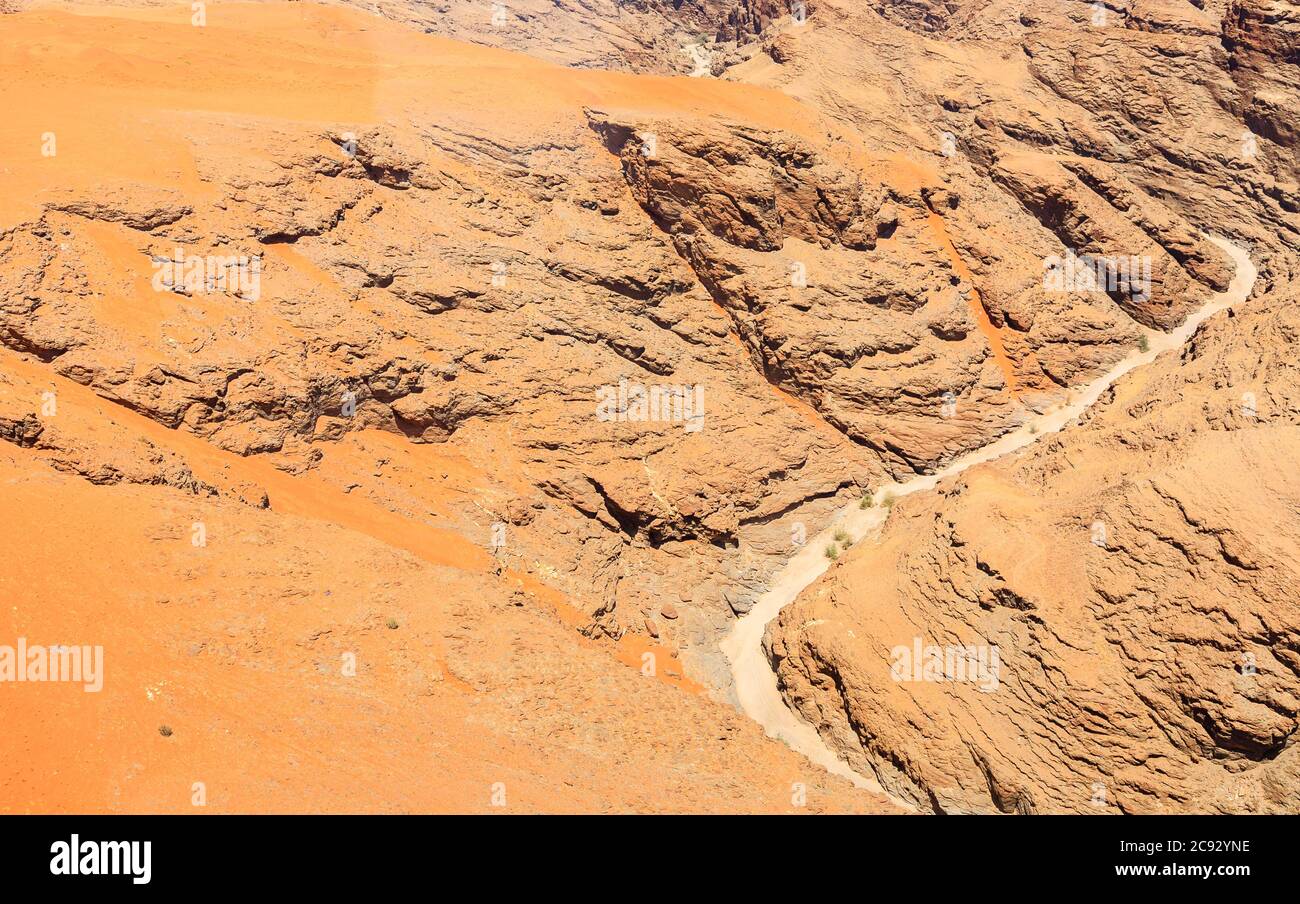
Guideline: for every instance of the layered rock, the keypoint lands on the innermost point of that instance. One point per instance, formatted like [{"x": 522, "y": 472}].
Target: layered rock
[
  {"x": 477, "y": 267},
  {"x": 635, "y": 337},
  {"x": 304, "y": 360},
  {"x": 1135, "y": 575}
]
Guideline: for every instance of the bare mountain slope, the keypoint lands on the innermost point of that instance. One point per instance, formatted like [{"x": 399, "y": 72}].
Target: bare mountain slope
[{"x": 586, "y": 351}]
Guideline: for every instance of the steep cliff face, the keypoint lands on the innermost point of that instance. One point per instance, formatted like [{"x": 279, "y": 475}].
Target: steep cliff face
[{"x": 1263, "y": 40}]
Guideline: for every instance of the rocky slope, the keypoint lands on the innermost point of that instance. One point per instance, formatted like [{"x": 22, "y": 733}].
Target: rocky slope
[
  {"x": 1136, "y": 573},
  {"x": 387, "y": 444},
  {"x": 477, "y": 266},
  {"x": 456, "y": 262}
]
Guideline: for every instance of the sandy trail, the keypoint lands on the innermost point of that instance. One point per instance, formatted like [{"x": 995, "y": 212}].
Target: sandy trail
[{"x": 756, "y": 683}]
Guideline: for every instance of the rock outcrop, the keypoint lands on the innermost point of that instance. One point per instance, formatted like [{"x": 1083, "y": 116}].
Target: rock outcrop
[
  {"x": 323, "y": 384},
  {"x": 1134, "y": 573},
  {"x": 1136, "y": 576}
]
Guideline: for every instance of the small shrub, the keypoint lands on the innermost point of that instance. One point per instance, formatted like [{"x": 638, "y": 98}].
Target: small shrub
[
  {"x": 392, "y": 624},
  {"x": 831, "y": 551},
  {"x": 1143, "y": 344},
  {"x": 889, "y": 500},
  {"x": 843, "y": 539},
  {"x": 165, "y": 731},
  {"x": 866, "y": 501}
]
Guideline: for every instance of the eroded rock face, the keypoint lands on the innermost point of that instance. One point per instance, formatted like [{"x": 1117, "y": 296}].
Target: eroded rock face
[
  {"x": 852, "y": 295},
  {"x": 750, "y": 18},
  {"x": 1136, "y": 576},
  {"x": 637, "y": 35},
  {"x": 328, "y": 361},
  {"x": 630, "y": 339},
  {"x": 1130, "y": 675},
  {"x": 455, "y": 284},
  {"x": 749, "y": 188},
  {"x": 1087, "y": 207},
  {"x": 1263, "y": 39},
  {"x": 478, "y": 270}
]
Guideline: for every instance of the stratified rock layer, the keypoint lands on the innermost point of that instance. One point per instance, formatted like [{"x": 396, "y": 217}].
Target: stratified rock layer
[
  {"x": 1154, "y": 669},
  {"x": 1137, "y": 575}
]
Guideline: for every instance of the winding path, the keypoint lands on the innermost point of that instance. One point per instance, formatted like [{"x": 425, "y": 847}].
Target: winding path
[{"x": 756, "y": 683}]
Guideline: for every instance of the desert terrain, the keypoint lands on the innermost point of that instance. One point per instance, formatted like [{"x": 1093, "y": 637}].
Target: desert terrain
[{"x": 574, "y": 406}]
